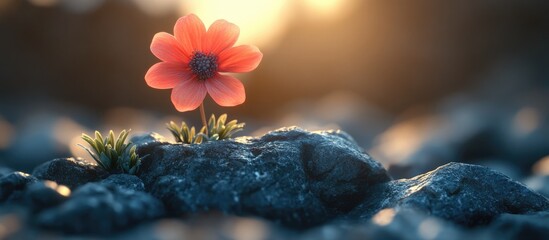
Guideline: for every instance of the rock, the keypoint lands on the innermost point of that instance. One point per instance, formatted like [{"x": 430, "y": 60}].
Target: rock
[
  {"x": 389, "y": 223},
  {"x": 12, "y": 186},
  {"x": 539, "y": 183},
  {"x": 514, "y": 226},
  {"x": 46, "y": 194},
  {"x": 125, "y": 181},
  {"x": 468, "y": 195},
  {"x": 69, "y": 172},
  {"x": 101, "y": 209},
  {"x": 293, "y": 176},
  {"x": 147, "y": 142}
]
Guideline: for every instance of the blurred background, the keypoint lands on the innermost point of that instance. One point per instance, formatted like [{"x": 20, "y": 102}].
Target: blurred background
[{"x": 416, "y": 83}]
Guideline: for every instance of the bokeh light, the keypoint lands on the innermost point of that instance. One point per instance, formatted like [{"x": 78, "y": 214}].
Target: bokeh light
[{"x": 384, "y": 217}]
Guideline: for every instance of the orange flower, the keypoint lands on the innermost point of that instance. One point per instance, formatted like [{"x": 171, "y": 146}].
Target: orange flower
[{"x": 193, "y": 59}]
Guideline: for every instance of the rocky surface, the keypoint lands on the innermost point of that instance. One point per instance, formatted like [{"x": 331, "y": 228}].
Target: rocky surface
[
  {"x": 465, "y": 194},
  {"x": 101, "y": 209},
  {"x": 13, "y": 186},
  {"x": 319, "y": 184},
  {"x": 293, "y": 176},
  {"x": 70, "y": 172},
  {"x": 147, "y": 142}
]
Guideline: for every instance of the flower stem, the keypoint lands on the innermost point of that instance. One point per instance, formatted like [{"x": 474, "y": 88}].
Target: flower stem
[{"x": 203, "y": 115}]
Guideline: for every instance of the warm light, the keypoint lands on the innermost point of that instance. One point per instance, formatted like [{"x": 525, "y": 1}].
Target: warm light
[
  {"x": 247, "y": 229},
  {"x": 9, "y": 224},
  {"x": 61, "y": 189},
  {"x": 542, "y": 166},
  {"x": 526, "y": 120},
  {"x": 329, "y": 8},
  {"x": 129, "y": 118},
  {"x": 402, "y": 139},
  {"x": 67, "y": 132},
  {"x": 172, "y": 229},
  {"x": 77, "y": 151},
  {"x": 429, "y": 228},
  {"x": 7, "y": 133},
  {"x": 261, "y": 22},
  {"x": 384, "y": 217}
]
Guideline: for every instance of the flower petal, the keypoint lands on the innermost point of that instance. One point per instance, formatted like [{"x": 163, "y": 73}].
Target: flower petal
[
  {"x": 188, "y": 95},
  {"x": 166, "y": 75},
  {"x": 226, "y": 90},
  {"x": 220, "y": 36},
  {"x": 239, "y": 59},
  {"x": 166, "y": 48},
  {"x": 189, "y": 31}
]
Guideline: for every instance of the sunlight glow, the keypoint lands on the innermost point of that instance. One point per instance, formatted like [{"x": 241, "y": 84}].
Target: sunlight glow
[
  {"x": 402, "y": 139},
  {"x": 542, "y": 166},
  {"x": 384, "y": 217},
  {"x": 67, "y": 132},
  {"x": 328, "y": 9},
  {"x": 261, "y": 22}
]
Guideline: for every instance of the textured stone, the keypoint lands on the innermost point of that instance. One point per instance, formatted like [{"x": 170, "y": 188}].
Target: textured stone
[
  {"x": 297, "y": 177},
  {"x": 145, "y": 143},
  {"x": 468, "y": 195},
  {"x": 100, "y": 209},
  {"x": 69, "y": 172},
  {"x": 13, "y": 186},
  {"x": 125, "y": 181}
]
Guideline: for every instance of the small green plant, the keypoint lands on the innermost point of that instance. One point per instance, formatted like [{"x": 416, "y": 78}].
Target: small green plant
[
  {"x": 184, "y": 134},
  {"x": 113, "y": 153},
  {"x": 221, "y": 129},
  {"x": 218, "y": 129}
]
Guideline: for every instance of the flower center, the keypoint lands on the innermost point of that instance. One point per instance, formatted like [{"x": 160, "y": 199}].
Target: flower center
[{"x": 204, "y": 66}]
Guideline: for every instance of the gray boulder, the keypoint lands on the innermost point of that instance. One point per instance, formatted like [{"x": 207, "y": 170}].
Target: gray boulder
[
  {"x": 465, "y": 194},
  {"x": 290, "y": 175},
  {"x": 70, "y": 172}
]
